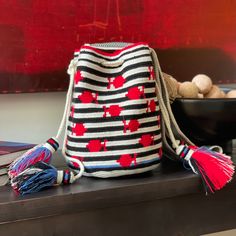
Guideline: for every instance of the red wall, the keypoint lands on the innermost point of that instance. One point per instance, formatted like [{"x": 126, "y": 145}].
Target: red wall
[{"x": 37, "y": 38}]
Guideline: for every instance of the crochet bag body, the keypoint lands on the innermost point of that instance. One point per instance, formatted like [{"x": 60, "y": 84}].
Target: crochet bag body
[
  {"x": 114, "y": 121},
  {"x": 117, "y": 119}
]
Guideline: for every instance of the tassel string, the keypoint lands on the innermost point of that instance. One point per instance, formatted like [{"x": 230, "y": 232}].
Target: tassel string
[{"x": 40, "y": 176}]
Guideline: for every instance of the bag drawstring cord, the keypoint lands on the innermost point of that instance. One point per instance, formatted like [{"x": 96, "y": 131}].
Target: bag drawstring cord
[
  {"x": 165, "y": 107},
  {"x": 65, "y": 119}
]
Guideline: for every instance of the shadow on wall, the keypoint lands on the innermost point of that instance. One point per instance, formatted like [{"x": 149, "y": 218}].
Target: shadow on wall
[
  {"x": 184, "y": 64},
  {"x": 181, "y": 63}
]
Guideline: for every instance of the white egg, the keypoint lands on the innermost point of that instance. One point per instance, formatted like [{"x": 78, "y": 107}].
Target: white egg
[
  {"x": 215, "y": 92},
  {"x": 203, "y": 83},
  {"x": 188, "y": 90},
  {"x": 231, "y": 94}
]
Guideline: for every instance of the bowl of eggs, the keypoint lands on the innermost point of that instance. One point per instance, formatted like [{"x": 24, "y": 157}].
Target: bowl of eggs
[{"x": 205, "y": 112}]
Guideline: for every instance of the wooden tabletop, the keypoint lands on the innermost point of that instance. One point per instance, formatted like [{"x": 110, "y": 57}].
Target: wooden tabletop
[{"x": 169, "y": 180}]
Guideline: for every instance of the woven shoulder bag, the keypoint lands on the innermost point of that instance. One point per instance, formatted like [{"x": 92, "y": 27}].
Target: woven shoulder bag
[{"x": 117, "y": 116}]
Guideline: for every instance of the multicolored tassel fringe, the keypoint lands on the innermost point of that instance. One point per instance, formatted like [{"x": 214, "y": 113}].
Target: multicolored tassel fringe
[
  {"x": 40, "y": 176},
  {"x": 41, "y": 152},
  {"x": 215, "y": 169}
]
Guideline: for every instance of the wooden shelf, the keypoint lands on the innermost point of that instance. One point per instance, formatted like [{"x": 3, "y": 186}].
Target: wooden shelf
[{"x": 169, "y": 195}]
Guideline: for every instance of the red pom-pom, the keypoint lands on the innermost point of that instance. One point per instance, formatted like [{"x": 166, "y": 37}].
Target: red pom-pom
[{"x": 216, "y": 169}]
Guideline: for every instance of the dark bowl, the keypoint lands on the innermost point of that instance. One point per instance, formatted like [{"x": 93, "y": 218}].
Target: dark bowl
[{"x": 207, "y": 121}]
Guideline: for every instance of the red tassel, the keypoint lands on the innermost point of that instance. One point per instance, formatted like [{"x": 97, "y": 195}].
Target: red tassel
[{"x": 215, "y": 169}]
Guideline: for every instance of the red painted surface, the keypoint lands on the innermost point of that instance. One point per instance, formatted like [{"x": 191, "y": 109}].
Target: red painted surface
[{"x": 37, "y": 38}]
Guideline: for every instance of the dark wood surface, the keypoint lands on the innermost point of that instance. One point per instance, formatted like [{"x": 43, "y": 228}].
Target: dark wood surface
[
  {"x": 90, "y": 193},
  {"x": 167, "y": 201}
]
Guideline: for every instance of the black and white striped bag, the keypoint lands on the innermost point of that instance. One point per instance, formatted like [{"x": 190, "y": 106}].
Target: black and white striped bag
[
  {"x": 116, "y": 107},
  {"x": 113, "y": 126}
]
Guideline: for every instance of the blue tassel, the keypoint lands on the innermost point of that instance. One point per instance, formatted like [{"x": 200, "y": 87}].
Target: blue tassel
[
  {"x": 40, "y": 176},
  {"x": 41, "y": 152},
  {"x": 35, "y": 178}
]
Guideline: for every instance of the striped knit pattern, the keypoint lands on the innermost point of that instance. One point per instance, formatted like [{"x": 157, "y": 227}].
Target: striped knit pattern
[
  {"x": 54, "y": 144},
  {"x": 114, "y": 120}
]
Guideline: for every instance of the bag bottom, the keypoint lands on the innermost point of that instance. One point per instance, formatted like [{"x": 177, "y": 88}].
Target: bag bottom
[{"x": 117, "y": 173}]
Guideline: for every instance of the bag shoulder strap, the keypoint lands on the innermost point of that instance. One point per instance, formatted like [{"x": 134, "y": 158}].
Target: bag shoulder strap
[{"x": 169, "y": 121}]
